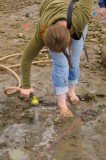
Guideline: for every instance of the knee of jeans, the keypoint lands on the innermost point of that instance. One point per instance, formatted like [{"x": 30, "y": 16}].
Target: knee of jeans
[
  {"x": 59, "y": 59},
  {"x": 61, "y": 64}
]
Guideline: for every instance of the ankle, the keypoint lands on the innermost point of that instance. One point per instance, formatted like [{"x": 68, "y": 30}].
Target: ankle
[
  {"x": 61, "y": 100},
  {"x": 71, "y": 91}
]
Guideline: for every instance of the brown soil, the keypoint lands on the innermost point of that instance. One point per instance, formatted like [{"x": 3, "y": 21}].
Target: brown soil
[{"x": 27, "y": 130}]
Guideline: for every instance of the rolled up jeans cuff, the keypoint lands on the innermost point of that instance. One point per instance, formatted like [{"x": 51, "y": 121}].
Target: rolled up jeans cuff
[
  {"x": 72, "y": 82},
  {"x": 61, "y": 90}
]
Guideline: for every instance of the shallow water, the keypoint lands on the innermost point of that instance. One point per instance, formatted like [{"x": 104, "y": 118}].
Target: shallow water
[{"x": 28, "y": 131}]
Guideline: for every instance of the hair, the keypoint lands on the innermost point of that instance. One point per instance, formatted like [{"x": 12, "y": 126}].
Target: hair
[{"x": 57, "y": 38}]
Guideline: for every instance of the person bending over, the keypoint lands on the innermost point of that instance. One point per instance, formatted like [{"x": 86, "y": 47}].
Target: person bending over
[{"x": 52, "y": 31}]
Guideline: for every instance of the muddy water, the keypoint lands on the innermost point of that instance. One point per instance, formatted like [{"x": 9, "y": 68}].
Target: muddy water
[{"x": 26, "y": 131}]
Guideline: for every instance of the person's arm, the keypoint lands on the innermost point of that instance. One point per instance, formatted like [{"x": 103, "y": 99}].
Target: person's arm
[
  {"x": 81, "y": 15},
  {"x": 102, "y": 4},
  {"x": 30, "y": 53}
]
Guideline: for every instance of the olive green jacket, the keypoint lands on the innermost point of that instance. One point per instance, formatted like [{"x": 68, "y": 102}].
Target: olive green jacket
[{"x": 50, "y": 11}]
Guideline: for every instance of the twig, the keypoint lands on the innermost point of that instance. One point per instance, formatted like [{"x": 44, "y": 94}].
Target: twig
[{"x": 12, "y": 55}]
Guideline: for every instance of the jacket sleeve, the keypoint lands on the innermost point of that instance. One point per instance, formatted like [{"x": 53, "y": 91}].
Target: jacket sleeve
[
  {"x": 31, "y": 51},
  {"x": 102, "y": 3},
  {"x": 81, "y": 15}
]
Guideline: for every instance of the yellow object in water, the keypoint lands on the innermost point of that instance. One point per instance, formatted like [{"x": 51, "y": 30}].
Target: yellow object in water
[{"x": 34, "y": 100}]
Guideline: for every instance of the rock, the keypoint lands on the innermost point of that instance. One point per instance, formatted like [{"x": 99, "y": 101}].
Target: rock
[
  {"x": 103, "y": 55},
  {"x": 23, "y": 19},
  {"x": 27, "y": 14},
  {"x": 91, "y": 94},
  {"x": 3, "y": 142},
  {"x": 2, "y": 31},
  {"x": 29, "y": 144},
  {"x": 57, "y": 120},
  {"x": 99, "y": 52},
  {"x": 20, "y": 35},
  {"x": 93, "y": 40},
  {"x": 104, "y": 30}
]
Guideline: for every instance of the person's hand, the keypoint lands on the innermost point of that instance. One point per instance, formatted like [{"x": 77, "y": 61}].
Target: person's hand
[
  {"x": 103, "y": 11},
  {"x": 26, "y": 92}
]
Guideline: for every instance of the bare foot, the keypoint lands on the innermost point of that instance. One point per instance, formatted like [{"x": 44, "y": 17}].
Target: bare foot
[
  {"x": 72, "y": 95},
  {"x": 74, "y": 99},
  {"x": 65, "y": 112}
]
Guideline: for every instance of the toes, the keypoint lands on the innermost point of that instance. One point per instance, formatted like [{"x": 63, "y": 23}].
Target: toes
[
  {"x": 66, "y": 113},
  {"x": 74, "y": 100}
]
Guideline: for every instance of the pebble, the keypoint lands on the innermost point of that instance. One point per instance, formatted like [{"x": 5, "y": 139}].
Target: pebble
[
  {"x": 57, "y": 120},
  {"x": 20, "y": 35},
  {"x": 104, "y": 30},
  {"x": 27, "y": 14},
  {"x": 91, "y": 94}
]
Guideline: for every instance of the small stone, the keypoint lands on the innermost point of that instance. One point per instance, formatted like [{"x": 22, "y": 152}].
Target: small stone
[
  {"x": 91, "y": 94},
  {"x": 57, "y": 120},
  {"x": 23, "y": 19},
  {"x": 20, "y": 35},
  {"x": 104, "y": 30},
  {"x": 93, "y": 40},
  {"x": 2, "y": 142},
  {"x": 27, "y": 15},
  {"x": 2, "y": 31}
]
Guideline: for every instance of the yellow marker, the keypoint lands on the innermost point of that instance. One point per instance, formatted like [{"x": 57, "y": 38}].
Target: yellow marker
[{"x": 34, "y": 100}]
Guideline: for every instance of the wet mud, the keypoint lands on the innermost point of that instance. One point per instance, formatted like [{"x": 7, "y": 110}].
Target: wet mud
[{"x": 28, "y": 132}]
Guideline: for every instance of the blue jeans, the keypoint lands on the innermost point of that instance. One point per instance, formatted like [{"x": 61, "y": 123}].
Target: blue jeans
[{"x": 62, "y": 75}]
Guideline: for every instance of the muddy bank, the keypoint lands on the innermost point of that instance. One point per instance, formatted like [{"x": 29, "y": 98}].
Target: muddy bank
[
  {"x": 13, "y": 6},
  {"x": 26, "y": 131}
]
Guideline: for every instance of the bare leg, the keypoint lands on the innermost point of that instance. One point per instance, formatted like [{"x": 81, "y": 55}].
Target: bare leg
[{"x": 64, "y": 111}]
